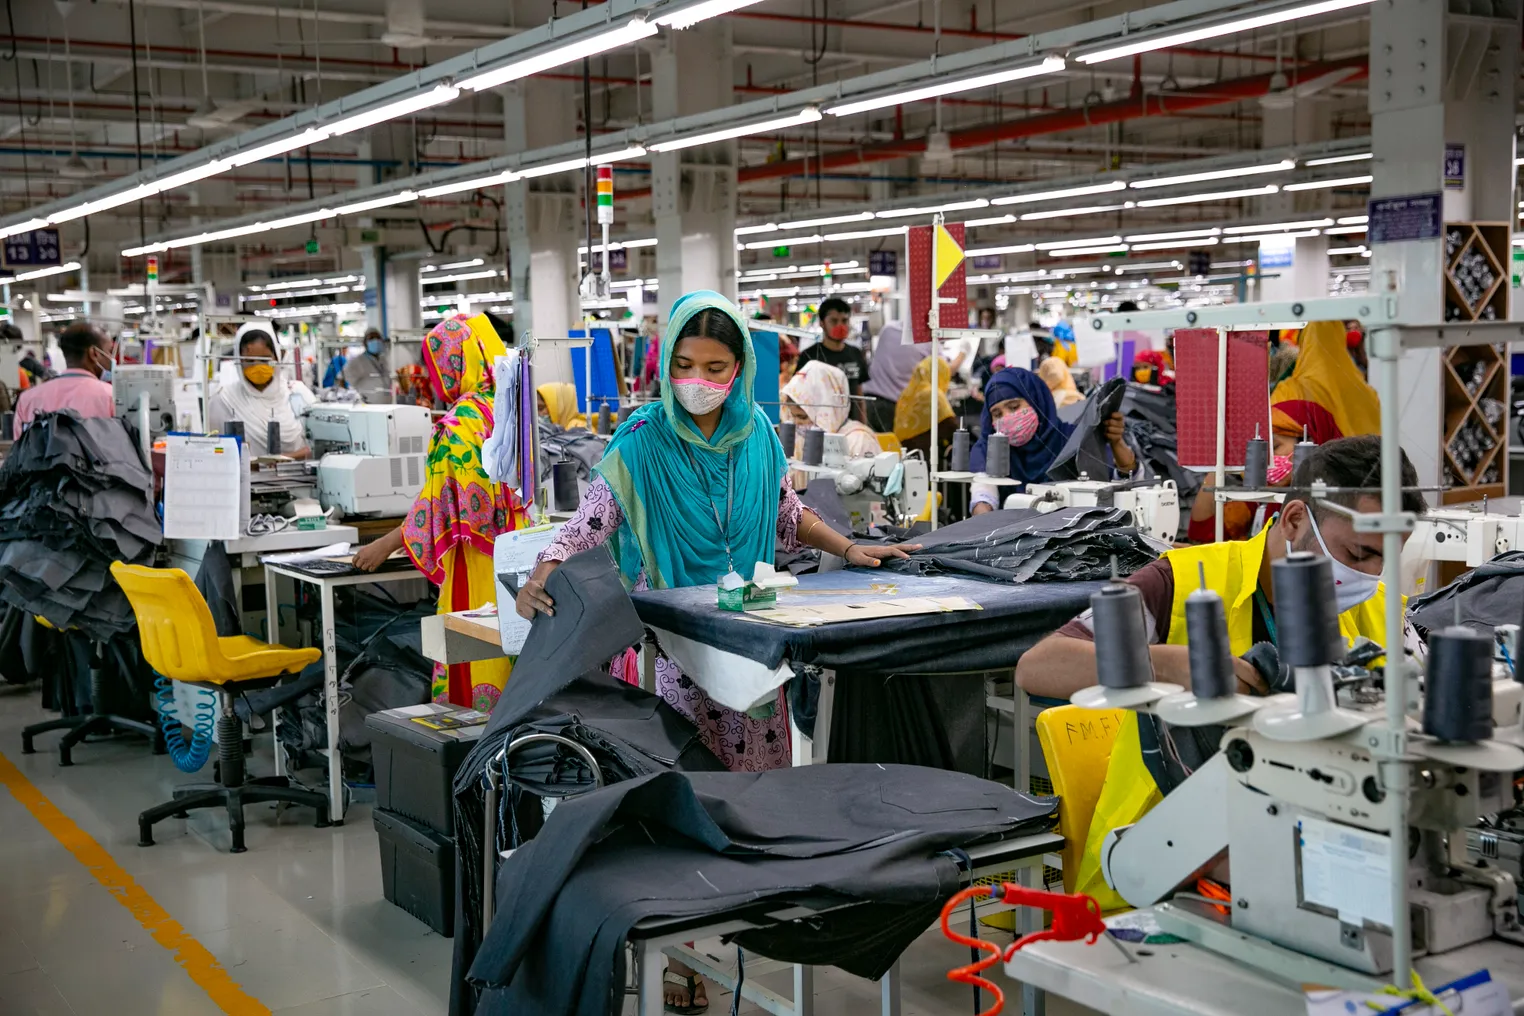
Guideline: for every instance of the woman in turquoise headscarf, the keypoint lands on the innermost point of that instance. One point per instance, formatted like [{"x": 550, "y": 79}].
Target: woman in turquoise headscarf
[{"x": 690, "y": 488}]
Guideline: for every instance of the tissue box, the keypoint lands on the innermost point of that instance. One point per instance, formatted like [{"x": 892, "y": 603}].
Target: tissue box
[
  {"x": 746, "y": 596},
  {"x": 513, "y": 558}
]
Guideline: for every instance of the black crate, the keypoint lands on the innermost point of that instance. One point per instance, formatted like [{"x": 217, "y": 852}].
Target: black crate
[
  {"x": 415, "y": 765},
  {"x": 417, "y": 870}
]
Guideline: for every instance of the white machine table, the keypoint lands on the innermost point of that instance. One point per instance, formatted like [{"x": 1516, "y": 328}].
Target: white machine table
[{"x": 326, "y": 584}]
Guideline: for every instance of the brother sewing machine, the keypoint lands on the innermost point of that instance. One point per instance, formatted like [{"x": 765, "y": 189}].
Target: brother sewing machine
[
  {"x": 371, "y": 456},
  {"x": 1297, "y": 803},
  {"x": 1155, "y": 506}
]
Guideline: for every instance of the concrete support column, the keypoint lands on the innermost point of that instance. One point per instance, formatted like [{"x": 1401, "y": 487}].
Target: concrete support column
[
  {"x": 1438, "y": 79},
  {"x": 693, "y": 191},
  {"x": 399, "y": 294},
  {"x": 540, "y": 220},
  {"x": 1294, "y": 267}
]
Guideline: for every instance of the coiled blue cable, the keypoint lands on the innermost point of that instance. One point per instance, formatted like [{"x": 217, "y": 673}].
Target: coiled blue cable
[{"x": 188, "y": 758}]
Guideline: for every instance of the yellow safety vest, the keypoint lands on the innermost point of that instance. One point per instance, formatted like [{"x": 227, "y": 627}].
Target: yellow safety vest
[{"x": 1232, "y": 570}]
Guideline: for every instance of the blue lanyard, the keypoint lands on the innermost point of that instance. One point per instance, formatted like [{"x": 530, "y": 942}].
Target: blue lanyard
[
  {"x": 1264, "y": 613},
  {"x": 730, "y": 490}
]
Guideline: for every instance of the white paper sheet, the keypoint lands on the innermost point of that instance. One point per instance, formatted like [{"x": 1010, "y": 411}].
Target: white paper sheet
[
  {"x": 201, "y": 488},
  {"x": 1347, "y": 870}
]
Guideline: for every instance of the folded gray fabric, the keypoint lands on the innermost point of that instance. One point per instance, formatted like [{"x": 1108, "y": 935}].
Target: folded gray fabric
[
  {"x": 1486, "y": 597},
  {"x": 1025, "y": 545},
  {"x": 75, "y": 495}
]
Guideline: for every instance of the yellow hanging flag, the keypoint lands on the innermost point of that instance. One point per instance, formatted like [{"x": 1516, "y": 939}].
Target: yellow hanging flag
[{"x": 946, "y": 256}]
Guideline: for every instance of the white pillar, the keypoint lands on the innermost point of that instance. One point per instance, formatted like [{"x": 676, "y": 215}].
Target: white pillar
[
  {"x": 693, "y": 192},
  {"x": 1293, "y": 268},
  {"x": 400, "y": 294},
  {"x": 1435, "y": 81}
]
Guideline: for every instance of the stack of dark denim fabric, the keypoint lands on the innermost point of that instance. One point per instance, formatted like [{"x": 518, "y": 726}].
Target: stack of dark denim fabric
[
  {"x": 1025, "y": 545},
  {"x": 75, "y": 495}
]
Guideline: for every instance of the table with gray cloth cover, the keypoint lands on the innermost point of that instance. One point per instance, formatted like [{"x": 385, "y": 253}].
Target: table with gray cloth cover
[{"x": 1014, "y": 617}]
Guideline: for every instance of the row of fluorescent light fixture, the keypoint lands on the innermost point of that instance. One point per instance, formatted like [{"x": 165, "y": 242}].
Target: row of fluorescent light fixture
[
  {"x": 631, "y": 31},
  {"x": 477, "y": 79}
]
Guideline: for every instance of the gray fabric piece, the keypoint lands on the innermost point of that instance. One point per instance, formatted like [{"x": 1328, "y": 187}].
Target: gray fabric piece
[
  {"x": 1025, "y": 545},
  {"x": 605, "y": 861},
  {"x": 214, "y": 580},
  {"x": 576, "y": 445},
  {"x": 1150, "y": 415},
  {"x": 1086, "y": 452},
  {"x": 1488, "y": 596},
  {"x": 75, "y": 495}
]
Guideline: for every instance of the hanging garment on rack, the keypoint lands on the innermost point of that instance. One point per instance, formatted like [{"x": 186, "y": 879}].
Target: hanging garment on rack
[
  {"x": 500, "y": 452},
  {"x": 1086, "y": 452},
  {"x": 694, "y": 844},
  {"x": 1025, "y": 545}
]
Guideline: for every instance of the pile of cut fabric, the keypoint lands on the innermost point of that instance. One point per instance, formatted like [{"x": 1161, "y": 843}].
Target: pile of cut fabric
[
  {"x": 680, "y": 845},
  {"x": 1025, "y": 545},
  {"x": 75, "y": 495}
]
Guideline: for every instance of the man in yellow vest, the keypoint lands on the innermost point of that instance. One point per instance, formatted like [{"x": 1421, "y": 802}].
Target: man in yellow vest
[{"x": 1149, "y": 759}]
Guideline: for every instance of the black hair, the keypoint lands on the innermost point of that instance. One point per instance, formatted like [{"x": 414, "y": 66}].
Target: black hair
[
  {"x": 716, "y": 325},
  {"x": 1044, "y": 345},
  {"x": 372, "y": 333},
  {"x": 8, "y": 330},
  {"x": 1126, "y": 307},
  {"x": 256, "y": 335},
  {"x": 833, "y": 304},
  {"x": 77, "y": 340},
  {"x": 1351, "y": 464}
]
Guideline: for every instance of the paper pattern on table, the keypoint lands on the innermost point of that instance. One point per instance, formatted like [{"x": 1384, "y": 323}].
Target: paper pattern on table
[{"x": 808, "y": 615}]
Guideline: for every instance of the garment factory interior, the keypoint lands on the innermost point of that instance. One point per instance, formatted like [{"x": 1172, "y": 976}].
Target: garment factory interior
[{"x": 761, "y": 506}]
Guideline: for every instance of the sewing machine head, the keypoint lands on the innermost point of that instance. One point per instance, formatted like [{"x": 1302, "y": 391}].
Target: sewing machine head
[
  {"x": 1155, "y": 506},
  {"x": 901, "y": 484}
]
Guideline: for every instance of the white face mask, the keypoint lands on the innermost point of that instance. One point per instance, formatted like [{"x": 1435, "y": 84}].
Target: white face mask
[
  {"x": 1351, "y": 587},
  {"x": 699, "y": 396}
]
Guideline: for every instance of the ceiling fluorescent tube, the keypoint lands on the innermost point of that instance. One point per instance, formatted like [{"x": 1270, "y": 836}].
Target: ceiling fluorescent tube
[
  {"x": 1182, "y": 234},
  {"x": 475, "y": 183},
  {"x": 40, "y": 273},
  {"x": 784, "y": 241},
  {"x": 1090, "y": 241},
  {"x": 22, "y": 227},
  {"x": 365, "y": 206},
  {"x": 955, "y": 206},
  {"x": 1216, "y": 174},
  {"x": 1192, "y": 199},
  {"x": 1333, "y": 159},
  {"x": 1343, "y": 181},
  {"x": 766, "y": 227},
  {"x": 690, "y": 16},
  {"x": 1216, "y": 29},
  {"x": 1059, "y": 213},
  {"x": 997, "y": 220},
  {"x": 1019, "y": 248},
  {"x": 1066, "y": 192},
  {"x": 1200, "y": 241},
  {"x": 866, "y": 234},
  {"x": 600, "y": 42},
  {"x": 1074, "y": 252},
  {"x": 438, "y": 95},
  {"x": 1280, "y": 227},
  {"x": 280, "y": 146},
  {"x": 808, "y": 114},
  {"x": 550, "y": 168},
  {"x": 1048, "y": 65}
]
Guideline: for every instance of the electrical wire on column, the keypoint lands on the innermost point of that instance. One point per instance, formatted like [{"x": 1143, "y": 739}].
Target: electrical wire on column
[
  {"x": 816, "y": 55},
  {"x": 137, "y": 109}
]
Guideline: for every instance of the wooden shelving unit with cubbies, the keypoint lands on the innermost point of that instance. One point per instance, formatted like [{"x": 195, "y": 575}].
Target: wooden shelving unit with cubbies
[{"x": 1475, "y": 383}]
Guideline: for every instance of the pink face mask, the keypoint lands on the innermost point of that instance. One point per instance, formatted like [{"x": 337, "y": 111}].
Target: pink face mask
[
  {"x": 1019, "y": 426},
  {"x": 699, "y": 396},
  {"x": 1279, "y": 471}
]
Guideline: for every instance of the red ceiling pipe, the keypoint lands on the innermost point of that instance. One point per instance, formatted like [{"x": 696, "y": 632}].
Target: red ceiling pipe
[{"x": 1167, "y": 104}]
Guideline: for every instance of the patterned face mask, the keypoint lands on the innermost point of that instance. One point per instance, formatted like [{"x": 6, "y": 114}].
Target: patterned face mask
[
  {"x": 1279, "y": 471},
  {"x": 699, "y": 396},
  {"x": 1019, "y": 426}
]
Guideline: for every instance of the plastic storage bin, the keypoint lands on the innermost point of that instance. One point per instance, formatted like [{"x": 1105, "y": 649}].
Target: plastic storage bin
[
  {"x": 417, "y": 870},
  {"x": 415, "y": 763}
]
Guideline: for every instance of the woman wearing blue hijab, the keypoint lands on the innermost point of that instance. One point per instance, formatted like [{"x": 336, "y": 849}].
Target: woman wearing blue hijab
[{"x": 1019, "y": 405}]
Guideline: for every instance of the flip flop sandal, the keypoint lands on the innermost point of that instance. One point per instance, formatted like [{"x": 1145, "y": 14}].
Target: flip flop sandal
[{"x": 690, "y": 984}]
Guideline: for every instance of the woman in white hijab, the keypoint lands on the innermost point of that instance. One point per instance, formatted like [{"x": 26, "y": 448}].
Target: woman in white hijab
[{"x": 260, "y": 395}]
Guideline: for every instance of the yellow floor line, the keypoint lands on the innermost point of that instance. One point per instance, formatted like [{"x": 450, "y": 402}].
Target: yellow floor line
[{"x": 201, "y": 966}]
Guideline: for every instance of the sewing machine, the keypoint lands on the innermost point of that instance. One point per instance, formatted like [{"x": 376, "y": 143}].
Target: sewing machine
[
  {"x": 1155, "y": 508},
  {"x": 901, "y": 485},
  {"x": 1466, "y": 535},
  {"x": 1297, "y": 801},
  {"x": 371, "y": 456}
]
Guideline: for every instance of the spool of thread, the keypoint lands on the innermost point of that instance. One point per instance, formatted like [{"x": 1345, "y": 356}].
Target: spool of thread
[
  {"x": 997, "y": 456},
  {"x": 563, "y": 485},
  {"x": 814, "y": 446},
  {"x": 605, "y": 418},
  {"x": 1256, "y": 463},
  {"x": 1457, "y": 696},
  {"x": 272, "y": 438},
  {"x": 1306, "y": 612},
  {"x": 786, "y": 437},
  {"x": 233, "y": 428},
  {"x": 624, "y": 412},
  {"x": 1121, "y": 640},
  {"x": 1210, "y": 654},
  {"x": 962, "y": 441},
  {"x": 8, "y": 425},
  {"x": 1299, "y": 454}
]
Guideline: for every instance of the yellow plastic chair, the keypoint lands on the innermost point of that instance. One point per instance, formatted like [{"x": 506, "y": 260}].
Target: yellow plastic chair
[
  {"x": 180, "y": 642},
  {"x": 888, "y": 442},
  {"x": 1076, "y": 743}
]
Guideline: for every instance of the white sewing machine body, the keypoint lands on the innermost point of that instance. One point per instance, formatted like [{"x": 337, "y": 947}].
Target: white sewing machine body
[
  {"x": 372, "y": 456},
  {"x": 1155, "y": 508}
]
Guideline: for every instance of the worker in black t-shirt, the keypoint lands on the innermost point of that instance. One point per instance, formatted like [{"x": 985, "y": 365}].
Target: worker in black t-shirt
[{"x": 835, "y": 319}]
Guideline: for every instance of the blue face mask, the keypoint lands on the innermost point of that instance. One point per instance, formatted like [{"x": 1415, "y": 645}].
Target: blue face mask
[{"x": 374, "y": 346}]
